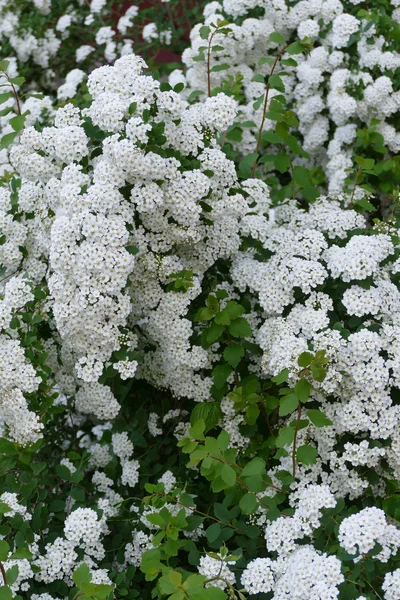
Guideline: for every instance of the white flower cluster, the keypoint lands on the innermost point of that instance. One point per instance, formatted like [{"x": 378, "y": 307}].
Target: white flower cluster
[
  {"x": 359, "y": 533},
  {"x": 343, "y": 83},
  {"x": 33, "y": 38},
  {"x": 300, "y": 571},
  {"x": 306, "y": 310}
]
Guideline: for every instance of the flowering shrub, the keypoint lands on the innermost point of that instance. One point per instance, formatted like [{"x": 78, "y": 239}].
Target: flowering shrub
[
  {"x": 200, "y": 362},
  {"x": 344, "y": 94}
]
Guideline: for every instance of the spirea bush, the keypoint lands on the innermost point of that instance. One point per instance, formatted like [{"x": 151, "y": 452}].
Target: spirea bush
[
  {"x": 343, "y": 97},
  {"x": 200, "y": 373}
]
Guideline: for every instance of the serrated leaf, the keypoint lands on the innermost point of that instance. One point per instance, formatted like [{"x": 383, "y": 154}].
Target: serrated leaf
[
  {"x": 220, "y": 374},
  {"x": 255, "y": 467},
  {"x": 210, "y": 593},
  {"x": 21, "y": 553},
  {"x": 7, "y": 139},
  {"x": 82, "y": 575},
  {"x": 276, "y": 83},
  {"x": 132, "y": 249},
  {"x": 307, "y": 455},
  {"x": 210, "y": 412},
  {"x": 276, "y": 37},
  {"x": 281, "y": 377},
  {"x": 248, "y": 503},
  {"x": 5, "y": 593},
  {"x": 288, "y": 404},
  {"x": 17, "y": 122},
  {"x": 5, "y": 96},
  {"x": 12, "y": 574},
  {"x": 221, "y": 67},
  {"x": 285, "y": 437},
  {"x": 213, "y": 532},
  {"x": 240, "y": 328},
  {"x": 228, "y": 475},
  {"x": 4, "y": 550},
  {"x": 204, "y": 32},
  {"x": 233, "y": 354},
  {"x": 231, "y": 311},
  {"x": 214, "y": 332},
  {"x": 318, "y": 418},
  {"x": 302, "y": 390},
  {"x": 203, "y": 314},
  {"x": 305, "y": 359},
  {"x": 295, "y": 48},
  {"x": 318, "y": 372},
  {"x": 169, "y": 583},
  {"x": 282, "y": 162},
  {"x": 365, "y": 204}
]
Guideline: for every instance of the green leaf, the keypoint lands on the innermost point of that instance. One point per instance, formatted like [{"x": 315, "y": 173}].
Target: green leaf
[
  {"x": 210, "y": 412},
  {"x": 102, "y": 591},
  {"x": 170, "y": 582},
  {"x": 248, "y": 503},
  {"x": 272, "y": 137},
  {"x": 276, "y": 83},
  {"x": 255, "y": 467},
  {"x": 214, "y": 332},
  {"x": 7, "y": 139},
  {"x": 282, "y": 162},
  {"x": 82, "y": 575},
  {"x": 289, "y": 62},
  {"x": 223, "y": 440},
  {"x": 231, "y": 311},
  {"x": 288, "y": 404},
  {"x": 281, "y": 377},
  {"x": 233, "y": 354},
  {"x": 258, "y": 79},
  {"x": 269, "y": 60},
  {"x": 365, "y": 204},
  {"x": 195, "y": 94},
  {"x": 295, "y": 48},
  {"x": 318, "y": 372},
  {"x": 305, "y": 359},
  {"x": 285, "y": 437},
  {"x": 240, "y": 328},
  {"x": 21, "y": 553},
  {"x": 5, "y": 96},
  {"x": 17, "y": 123},
  {"x": 4, "y": 550},
  {"x": 17, "y": 80},
  {"x": 210, "y": 593},
  {"x": 301, "y": 176},
  {"x": 5, "y": 593},
  {"x": 204, "y": 32},
  {"x": 203, "y": 314},
  {"x": 220, "y": 374},
  {"x": 213, "y": 532},
  {"x": 278, "y": 38},
  {"x": 318, "y": 418},
  {"x": 221, "y": 67},
  {"x": 12, "y": 574},
  {"x": 132, "y": 249},
  {"x": 302, "y": 390},
  {"x": 307, "y": 455},
  {"x": 4, "y": 508},
  {"x": 228, "y": 475},
  {"x": 252, "y": 414}
]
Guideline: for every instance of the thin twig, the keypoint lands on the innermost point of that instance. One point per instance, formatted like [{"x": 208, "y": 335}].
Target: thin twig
[
  {"x": 277, "y": 59},
  {"x": 295, "y": 438}
]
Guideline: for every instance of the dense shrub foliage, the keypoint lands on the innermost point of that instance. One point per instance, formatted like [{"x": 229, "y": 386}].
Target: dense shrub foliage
[{"x": 199, "y": 302}]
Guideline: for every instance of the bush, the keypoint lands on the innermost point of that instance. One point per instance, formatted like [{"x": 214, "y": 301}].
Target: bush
[{"x": 200, "y": 378}]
